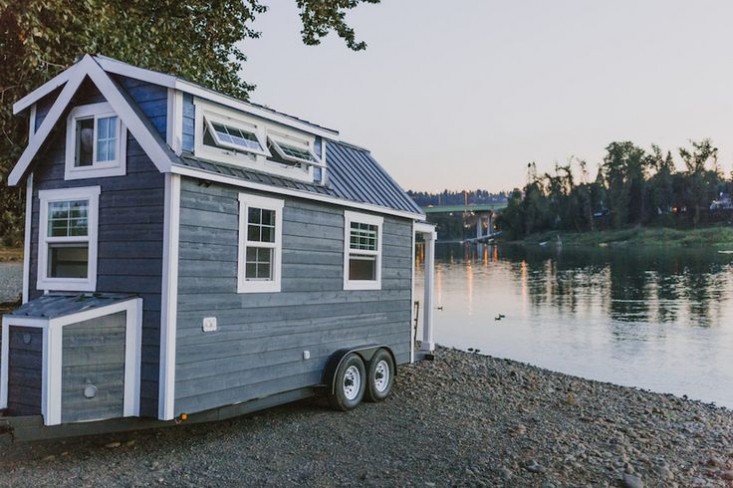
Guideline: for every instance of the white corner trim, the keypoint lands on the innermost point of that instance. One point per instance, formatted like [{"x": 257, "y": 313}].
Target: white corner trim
[
  {"x": 274, "y": 285},
  {"x": 118, "y": 167},
  {"x": 350, "y": 217},
  {"x": 46, "y": 283},
  {"x": 174, "y": 130},
  {"x": 205, "y": 175},
  {"x": 413, "y": 315},
  {"x": 27, "y": 237},
  {"x": 169, "y": 298}
]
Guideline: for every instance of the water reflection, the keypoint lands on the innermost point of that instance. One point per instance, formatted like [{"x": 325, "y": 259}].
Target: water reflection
[{"x": 660, "y": 319}]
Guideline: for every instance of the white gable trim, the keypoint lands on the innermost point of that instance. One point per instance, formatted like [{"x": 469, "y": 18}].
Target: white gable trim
[
  {"x": 367, "y": 207},
  {"x": 53, "y": 116},
  {"x": 43, "y": 90},
  {"x": 138, "y": 125}
]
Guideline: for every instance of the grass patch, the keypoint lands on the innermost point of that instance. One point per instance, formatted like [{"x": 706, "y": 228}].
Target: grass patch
[
  {"x": 11, "y": 254},
  {"x": 719, "y": 237}
]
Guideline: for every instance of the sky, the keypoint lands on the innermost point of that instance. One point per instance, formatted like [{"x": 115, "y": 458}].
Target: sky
[{"x": 463, "y": 94}]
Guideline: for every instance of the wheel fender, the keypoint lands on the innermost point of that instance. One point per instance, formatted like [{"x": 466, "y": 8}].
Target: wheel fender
[{"x": 337, "y": 359}]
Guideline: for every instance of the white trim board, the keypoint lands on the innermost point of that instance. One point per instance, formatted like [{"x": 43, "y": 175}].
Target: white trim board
[
  {"x": 27, "y": 238},
  {"x": 205, "y": 175},
  {"x": 43, "y": 90},
  {"x": 169, "y": 298},
  {"x": 52, "y": 377}
]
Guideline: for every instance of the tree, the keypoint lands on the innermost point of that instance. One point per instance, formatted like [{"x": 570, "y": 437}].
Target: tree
[
  {"x": 701, "y": 183},
  {"x": 193, "y": 39}
]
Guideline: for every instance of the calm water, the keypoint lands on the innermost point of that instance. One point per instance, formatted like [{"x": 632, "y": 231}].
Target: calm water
[
  {"x": 11, "y": 281},
  {"x": 661, "y": 320}
]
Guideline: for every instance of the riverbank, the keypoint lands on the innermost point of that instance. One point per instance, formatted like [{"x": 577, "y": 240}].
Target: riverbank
[
  {"x": 461, "y": 420},
  {"x": 719, "y": 237},
  {"x": 10, "y": 254}
]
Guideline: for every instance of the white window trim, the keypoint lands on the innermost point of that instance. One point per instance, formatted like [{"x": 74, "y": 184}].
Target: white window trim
[
  {"x": 253, "y": 160},
  {"x": 274, "y": 285},
  {"x": 276, "y": 140},
  {"x": 350, "y": 217},
  {"x": 118, "y": 167},
  {"x": 46, "y": 283},
  {"x": 51, "y": 387}
]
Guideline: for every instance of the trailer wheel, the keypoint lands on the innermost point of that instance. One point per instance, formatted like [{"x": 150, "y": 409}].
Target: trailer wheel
[
  {"x": 350, "y": 383},
  {"x": 381, "y": 376}
]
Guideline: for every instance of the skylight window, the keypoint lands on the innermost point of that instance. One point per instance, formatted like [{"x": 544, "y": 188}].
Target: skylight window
[
  {"x": 235, "y": 137},
  {"x": 292, "y": 152}
]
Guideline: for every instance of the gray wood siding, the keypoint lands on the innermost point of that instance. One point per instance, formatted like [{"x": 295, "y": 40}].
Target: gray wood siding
[
  {"x": 94, "y": 354},
  {"x": 258, "y": 347},
  {"x": 130, "y": 242},
  {"x": 25, "y": 370}
]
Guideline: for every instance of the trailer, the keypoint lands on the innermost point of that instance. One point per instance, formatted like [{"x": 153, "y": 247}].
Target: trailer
[{"x": 192, "y": 257}]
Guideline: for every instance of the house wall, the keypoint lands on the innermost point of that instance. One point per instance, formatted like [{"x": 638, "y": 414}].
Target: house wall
[
  {"x": 130, "y": 242},
  {"x": 94, "y": 354},
  {"x": 258, "y": 347},
  {"x": 25, "y": 370}
]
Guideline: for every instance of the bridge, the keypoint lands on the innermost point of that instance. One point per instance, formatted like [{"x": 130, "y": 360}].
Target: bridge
[{"x": 481, "y": 215}]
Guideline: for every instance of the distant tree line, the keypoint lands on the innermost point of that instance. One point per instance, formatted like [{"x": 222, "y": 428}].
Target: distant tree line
[
  {"x": 425, "y": 199},
  {"x": 632, "y": 187}
]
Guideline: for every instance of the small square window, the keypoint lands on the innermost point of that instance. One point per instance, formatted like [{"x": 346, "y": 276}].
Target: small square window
[{"x": 95, "y": 143}]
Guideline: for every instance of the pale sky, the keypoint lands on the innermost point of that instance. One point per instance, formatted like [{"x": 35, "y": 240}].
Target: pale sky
[{"x": 463, "y": 94}]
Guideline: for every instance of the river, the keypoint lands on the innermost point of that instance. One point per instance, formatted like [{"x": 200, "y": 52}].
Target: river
[{"x": 658, "y": 319}]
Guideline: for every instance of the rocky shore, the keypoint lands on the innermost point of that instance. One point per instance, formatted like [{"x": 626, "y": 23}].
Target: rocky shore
[{"x": 461, "y": 420}]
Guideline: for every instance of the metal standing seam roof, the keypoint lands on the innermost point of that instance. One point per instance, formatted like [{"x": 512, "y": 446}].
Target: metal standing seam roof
[
  {"x": 353, "y": 175},
  {"x": 58, "y": 305}
]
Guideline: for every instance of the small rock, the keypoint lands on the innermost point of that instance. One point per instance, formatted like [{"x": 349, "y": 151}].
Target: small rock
[
  {"x": 430, "y": 484},
  {"x": 113, "y": 445},
  {"x": 130, "y": 443},
  {"x": 632, "y": 481},
  {"x": 727, "y": 475},
  {"x": 50, "y": 457},
  {"x": 714, "y": 462},
  {"x": 534, "y": 467}
]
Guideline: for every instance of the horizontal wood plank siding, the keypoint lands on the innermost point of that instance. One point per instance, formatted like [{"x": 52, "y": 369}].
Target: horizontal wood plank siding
[
  {"x": 130, "y": 243},
  {"x": 94, "y": 354},
  {"x": 258, "y": 348}
]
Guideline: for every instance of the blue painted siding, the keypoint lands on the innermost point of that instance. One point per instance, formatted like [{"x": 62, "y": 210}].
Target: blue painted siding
[
  {"x": 258, "y": 348},
  {"x": 152, "y": 99},
  {"x": 189, "y": 122},
  {"x": 44, "y": 105},
  {"x": 130, "y": 242}
]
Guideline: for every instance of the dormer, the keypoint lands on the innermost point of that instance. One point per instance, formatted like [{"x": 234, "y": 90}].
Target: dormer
[{"x": 225, "y": 135}]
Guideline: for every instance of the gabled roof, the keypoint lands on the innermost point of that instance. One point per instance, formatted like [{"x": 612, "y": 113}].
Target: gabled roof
[
  {"x": 355, "y": 179},
  {"x": 128, "y": 111}
]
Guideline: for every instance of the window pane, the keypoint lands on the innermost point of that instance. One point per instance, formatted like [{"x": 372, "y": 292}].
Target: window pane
[
  {"x": 363, "y": 236},
  {"x": 84, "y": 142},
  {"x": 258, "y": 265},
  {"x": 236, "y": 136},
  {"x": 253, "y": 233},
  {"x": 362, "y": 268},
  {"x": 68, "y": 261},
  {"x": 267, "y": 234},
  {"x": 106, "y": 138},
  {"x": 268, "y": 217},
  {"x": 255, "y": 215},
  {"x": 68, "y": 218}
]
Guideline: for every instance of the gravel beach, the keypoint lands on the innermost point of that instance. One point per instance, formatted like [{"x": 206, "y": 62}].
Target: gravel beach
[{"x": 461, "y": 420}]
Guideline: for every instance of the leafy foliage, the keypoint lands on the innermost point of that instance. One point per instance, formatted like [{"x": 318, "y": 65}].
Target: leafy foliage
[
  {"x": 193, "y": 39},
  {"x": 633, "y": 187}
]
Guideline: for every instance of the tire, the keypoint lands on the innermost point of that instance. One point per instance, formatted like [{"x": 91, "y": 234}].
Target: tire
[
  {"x": 381, "y": 376},
  {"x": 349, "y": 383}
]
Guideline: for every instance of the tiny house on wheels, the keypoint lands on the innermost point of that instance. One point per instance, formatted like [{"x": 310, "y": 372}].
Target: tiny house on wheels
[{"x": 193, "y": 256}]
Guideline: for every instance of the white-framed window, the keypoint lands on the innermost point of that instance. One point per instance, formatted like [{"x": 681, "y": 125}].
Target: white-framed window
[
  {"x": 233, "y": 137},
  {"x": 259, "y": 267},
  {"x": 362, "y": 251},
  {"x": 67, "y": 239},
  {"x": 96, "y": 142}
]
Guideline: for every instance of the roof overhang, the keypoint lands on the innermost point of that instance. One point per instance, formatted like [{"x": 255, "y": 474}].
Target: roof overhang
[{"x": 119, "y": 68}]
